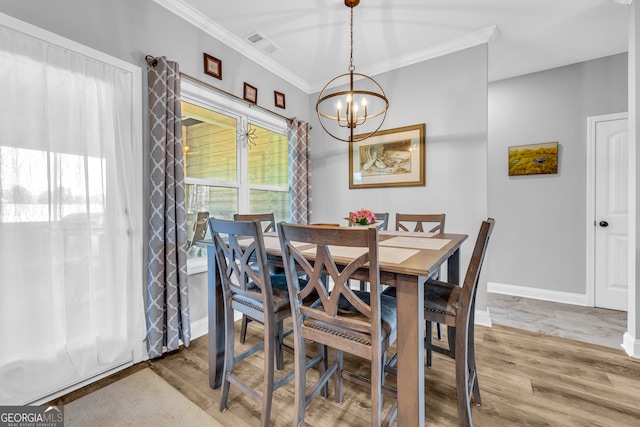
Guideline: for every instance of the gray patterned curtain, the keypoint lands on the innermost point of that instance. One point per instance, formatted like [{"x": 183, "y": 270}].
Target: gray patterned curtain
[
  {"x": 299, "y": 171},
  {"x": 167, "y": 293}
]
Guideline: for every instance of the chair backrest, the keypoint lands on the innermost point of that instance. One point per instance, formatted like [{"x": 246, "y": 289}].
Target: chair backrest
[
  {"x": 420, "y": 220},
  {"x": 382, "y": 220},
  {"x": 241, "y": 259},
  {"x": 470, "y": 283},
  {"x": 268, "y": 220},
  {"x": 199, "y": 228},
  {"x": 331, "y": 243}
]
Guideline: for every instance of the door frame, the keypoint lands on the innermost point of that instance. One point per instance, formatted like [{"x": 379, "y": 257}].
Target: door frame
[{"x": 591, "y": 202}]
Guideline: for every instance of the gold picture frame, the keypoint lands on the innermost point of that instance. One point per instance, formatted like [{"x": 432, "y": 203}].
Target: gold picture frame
[{"x": 389, "y": 158}]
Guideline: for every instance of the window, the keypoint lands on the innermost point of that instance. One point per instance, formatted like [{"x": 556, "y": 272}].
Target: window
[
  {"x": 71, "y": 214},
  {"x": 236, "y": 160}
]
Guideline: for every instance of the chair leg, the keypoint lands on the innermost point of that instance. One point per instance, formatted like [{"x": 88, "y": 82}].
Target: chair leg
[
  {"x": 300, "y": 358},
  {"x": 278, "y": 346},
  {"x": 228, "y": 358},
  {"x": 270, "y": 345},
  {"x": 428, "y": 341},
  {"x": 243, "y": 328},
  {"x": 472, "y": 361},
  {"x": 337, "y": 376},
  {"x": 451, "y": 338},
  {"x": 462, "y": 379},
  {"x": 376, "y": 392},
  {"x": 322, "y": 368}
]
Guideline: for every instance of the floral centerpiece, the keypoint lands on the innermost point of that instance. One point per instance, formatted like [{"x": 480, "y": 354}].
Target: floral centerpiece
[{"x": 362, "y": 217}]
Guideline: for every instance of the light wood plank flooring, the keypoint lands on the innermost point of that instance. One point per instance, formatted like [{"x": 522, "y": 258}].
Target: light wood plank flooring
[
  {"x": 526, "y": 379},
  {"x": 589, "y": 324}
]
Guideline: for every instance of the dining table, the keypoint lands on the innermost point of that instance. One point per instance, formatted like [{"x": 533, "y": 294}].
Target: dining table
[{"x": 406, "y": 259}]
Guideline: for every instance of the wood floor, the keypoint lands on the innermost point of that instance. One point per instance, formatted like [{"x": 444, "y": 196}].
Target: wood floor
[
  {"x": 589, "y": 324},
  {"x": 526, "y": 379}
]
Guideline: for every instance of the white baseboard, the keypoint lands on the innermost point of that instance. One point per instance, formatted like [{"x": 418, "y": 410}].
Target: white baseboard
[
  {"x": 535, "y": 293},
  {"x": 199, "y": 328},
  {"x": 483, "y": 318},
  {"x": 631, "y": 345}
]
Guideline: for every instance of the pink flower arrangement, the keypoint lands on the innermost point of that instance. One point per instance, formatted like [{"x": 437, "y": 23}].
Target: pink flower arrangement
[{"x": 362, "y": 217}]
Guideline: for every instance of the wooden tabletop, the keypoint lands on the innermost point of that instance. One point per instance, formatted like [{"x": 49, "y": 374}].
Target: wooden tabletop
[{"x": 423, "y": 262}]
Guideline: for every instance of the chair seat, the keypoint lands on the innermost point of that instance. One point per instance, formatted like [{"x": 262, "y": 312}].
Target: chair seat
[
  {"x": 439, "y": 297},
  {"x": 388, "y": 317},
  {"x": 279, "y": 290}
]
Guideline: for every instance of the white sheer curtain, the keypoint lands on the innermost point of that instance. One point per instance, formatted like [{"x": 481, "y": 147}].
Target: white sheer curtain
[{"x": 70, "y": 207}]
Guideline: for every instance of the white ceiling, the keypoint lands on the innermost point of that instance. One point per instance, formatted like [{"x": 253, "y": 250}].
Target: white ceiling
[{"x": 313, "y": 36}]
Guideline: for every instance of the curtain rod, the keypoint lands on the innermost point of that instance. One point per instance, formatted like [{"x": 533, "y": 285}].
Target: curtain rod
[
  {"x": 154, "y": 61},
  {"x": 250, "y": 104}
]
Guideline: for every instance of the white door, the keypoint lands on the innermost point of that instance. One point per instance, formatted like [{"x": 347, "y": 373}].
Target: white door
[{"x": 611, "y": 206}]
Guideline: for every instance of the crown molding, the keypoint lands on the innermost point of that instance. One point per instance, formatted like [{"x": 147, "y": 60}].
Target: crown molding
[
  {"x": 470, "y": 40},
  {"x": 196, "y": 18}
]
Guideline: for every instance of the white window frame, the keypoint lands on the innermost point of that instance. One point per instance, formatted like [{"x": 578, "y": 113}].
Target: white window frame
[{"x": 198, "y": 94}]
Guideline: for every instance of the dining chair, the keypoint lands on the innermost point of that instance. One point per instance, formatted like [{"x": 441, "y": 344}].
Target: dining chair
[
  {"x": 419, "y": 221},
  {"x": 268, "y": 222},
  {"x": 344, "y": 319},
  {"x": 453, "y": 305},
  {"x": 424, "y": 223},
  {"x": 382, "y": 223},
  {"x": 199, "y": 228},
  {"x": 241, "y": 261}
]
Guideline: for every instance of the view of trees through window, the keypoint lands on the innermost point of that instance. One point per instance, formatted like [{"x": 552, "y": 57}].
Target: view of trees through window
[{"x": 25, "y": 182}]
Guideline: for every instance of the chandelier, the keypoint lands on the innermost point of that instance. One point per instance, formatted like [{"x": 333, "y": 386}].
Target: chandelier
[{"x": 363, "y": 104}]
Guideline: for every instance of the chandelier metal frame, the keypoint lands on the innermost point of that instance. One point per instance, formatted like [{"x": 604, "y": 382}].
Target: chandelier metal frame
[{"x": 351, "y": 121}]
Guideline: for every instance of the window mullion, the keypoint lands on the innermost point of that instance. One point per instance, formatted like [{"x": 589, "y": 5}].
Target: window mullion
[{"x": 243, "y": 170}]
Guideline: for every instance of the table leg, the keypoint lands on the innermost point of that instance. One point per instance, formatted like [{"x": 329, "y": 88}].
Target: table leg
[
  {"x": 409, "y": 294},
  {"x": 453, "y": 267},
  {"x": 216, "y": 321}
]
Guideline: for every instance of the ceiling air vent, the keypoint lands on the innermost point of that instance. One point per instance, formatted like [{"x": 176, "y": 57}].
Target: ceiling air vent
[{"x": 261, "y": 42}]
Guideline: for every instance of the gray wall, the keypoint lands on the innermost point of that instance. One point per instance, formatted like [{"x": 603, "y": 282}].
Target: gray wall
[
  {"x": 540, "y": 235},
  {"x": 449, "y": 94},
  {"x": 130, "y": 30}
]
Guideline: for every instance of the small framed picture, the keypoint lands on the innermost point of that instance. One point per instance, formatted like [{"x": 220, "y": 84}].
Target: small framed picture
[
  {"x": 250, "y": 93},
  {"x": 279, "y": 99},
  {"x": 212, "y": 66}
]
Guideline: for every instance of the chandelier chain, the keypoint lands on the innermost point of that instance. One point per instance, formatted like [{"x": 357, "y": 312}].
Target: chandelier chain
[{"x": 351, "y": 67}]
